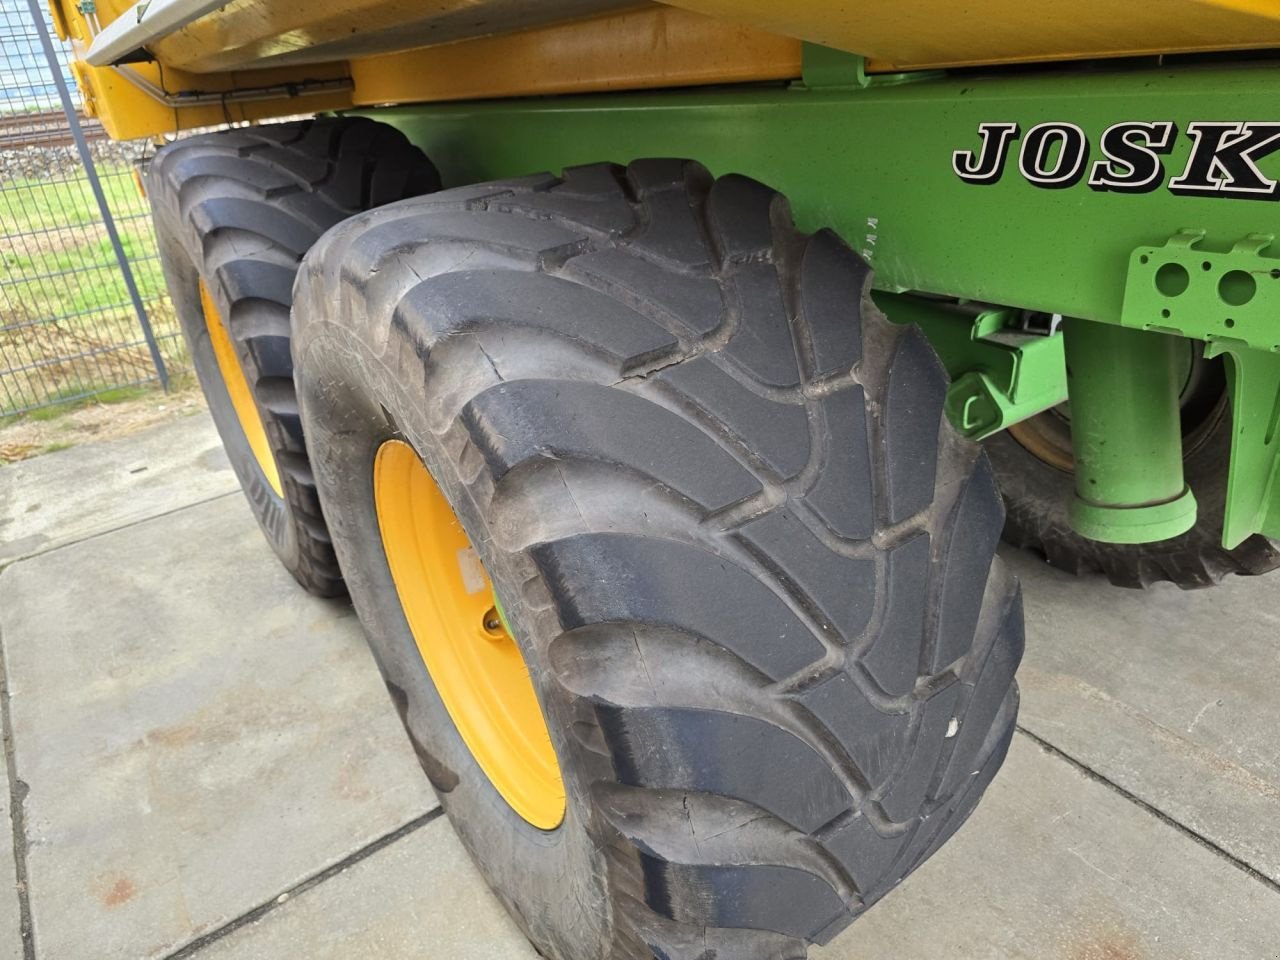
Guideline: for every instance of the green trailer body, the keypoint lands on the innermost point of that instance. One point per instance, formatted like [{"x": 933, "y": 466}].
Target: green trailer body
[{"x": 1064, "y": 192}]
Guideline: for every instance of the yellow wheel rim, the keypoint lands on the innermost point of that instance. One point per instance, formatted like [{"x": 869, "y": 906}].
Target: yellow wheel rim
[
  {"x": 246, "y": 408},
  {"x": 461, "y": 633}
]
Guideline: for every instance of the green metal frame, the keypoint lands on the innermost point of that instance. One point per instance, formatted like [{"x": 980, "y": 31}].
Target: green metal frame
[
  {"x": 872, "y": 158},
  {"x": 1231, "y": 296},
  {"x": 1253, "y": 490},
  {"x": 1000, "y": 373},
  {"x": 1126, "y": 434}
]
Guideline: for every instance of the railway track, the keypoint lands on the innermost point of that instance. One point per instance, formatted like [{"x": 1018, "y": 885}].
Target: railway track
[{"x": 47, "y": 128}]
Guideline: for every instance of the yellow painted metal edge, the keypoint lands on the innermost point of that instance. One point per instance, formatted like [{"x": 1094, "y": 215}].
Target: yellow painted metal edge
[
  {"x": 59, "y": 20},
  {"x": 639, "y": 49},
  {"x": 128, "y": 112}
]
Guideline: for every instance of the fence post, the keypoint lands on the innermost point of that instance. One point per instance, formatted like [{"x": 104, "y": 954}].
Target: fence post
[{"x": 91, "y": 171}]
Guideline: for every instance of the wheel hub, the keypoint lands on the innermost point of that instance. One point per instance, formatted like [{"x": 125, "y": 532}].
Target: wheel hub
[{"x": 463, "y": 636}]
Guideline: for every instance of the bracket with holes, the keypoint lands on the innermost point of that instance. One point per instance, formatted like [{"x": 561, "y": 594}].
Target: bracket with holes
[{"x": 1184, "y": 289}]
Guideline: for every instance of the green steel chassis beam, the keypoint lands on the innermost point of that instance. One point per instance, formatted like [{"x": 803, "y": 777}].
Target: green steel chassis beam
[
  {"x": 1083, "y": 193},
  {"x": 1002, "y": 368}
]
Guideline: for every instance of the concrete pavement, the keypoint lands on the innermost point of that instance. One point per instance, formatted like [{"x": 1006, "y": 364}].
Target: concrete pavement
[{"x": 205, "y": 764}]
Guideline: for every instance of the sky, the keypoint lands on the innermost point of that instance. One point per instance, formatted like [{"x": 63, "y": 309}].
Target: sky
[{"x": 25, "y": 81}]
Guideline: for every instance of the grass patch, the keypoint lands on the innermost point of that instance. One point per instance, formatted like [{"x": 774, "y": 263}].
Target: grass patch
[
  {"x": 74, "y": 272},
  {"x": 31, "y": 204},
  {"x": 123, "y": 394},
  {"x": 74, "y": 401},
  {"x": 67, "y": 323}
]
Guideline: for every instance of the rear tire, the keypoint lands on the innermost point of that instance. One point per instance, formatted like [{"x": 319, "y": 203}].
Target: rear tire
[
  {"x": 748, "y": 563},
  {"x": 1037, "y": 494},
  {"x": 235, "y": 211}
]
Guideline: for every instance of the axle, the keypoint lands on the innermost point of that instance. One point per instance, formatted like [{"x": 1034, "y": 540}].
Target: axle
[{"x": 1126, "y": 435}]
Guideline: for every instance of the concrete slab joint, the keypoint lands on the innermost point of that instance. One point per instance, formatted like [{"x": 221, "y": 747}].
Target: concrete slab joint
[{"x": 215, "y": 770}]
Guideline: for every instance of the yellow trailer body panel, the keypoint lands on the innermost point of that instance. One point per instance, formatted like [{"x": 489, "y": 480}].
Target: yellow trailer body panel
[
  {"x": 904, "y": 35},
  {"x": 640, "y": 49},
  {"x": 927, "y": 34},
  {"x": 277, "y": 58}
]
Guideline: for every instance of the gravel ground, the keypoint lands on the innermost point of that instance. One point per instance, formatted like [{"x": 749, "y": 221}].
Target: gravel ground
[{"x": 58, "y": 162}]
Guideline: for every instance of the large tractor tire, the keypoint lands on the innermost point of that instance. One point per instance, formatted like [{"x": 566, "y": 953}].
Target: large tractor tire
[
  {"x": 1033, "y": 462},
  {"x": 235, "y": 211},
  {"x": 684, "y": 587}
]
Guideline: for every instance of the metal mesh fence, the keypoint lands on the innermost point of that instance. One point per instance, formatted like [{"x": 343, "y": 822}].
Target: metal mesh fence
[{"x": 69, "y": 327}]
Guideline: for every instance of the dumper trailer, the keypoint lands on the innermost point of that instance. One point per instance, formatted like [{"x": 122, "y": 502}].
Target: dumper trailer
[{"x": 659, "y": 379}]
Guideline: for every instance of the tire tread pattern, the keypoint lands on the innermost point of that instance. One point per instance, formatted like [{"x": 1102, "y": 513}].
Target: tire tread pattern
[
  {"x": 784, "y": 630},
  {"x": 247, "y": 204}
]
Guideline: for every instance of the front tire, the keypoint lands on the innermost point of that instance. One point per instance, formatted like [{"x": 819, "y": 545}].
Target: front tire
[{"x": 749, "y": 565}]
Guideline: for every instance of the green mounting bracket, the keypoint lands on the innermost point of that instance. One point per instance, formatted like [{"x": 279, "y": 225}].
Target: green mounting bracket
[
  {"x": 825, "y": 68},
  {"x": 1181, "y": 288},
  {"x": 1000, "y": 374},
  {"x": 1253, "y": 483},
  {"x": 1230, "y": 300}
]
